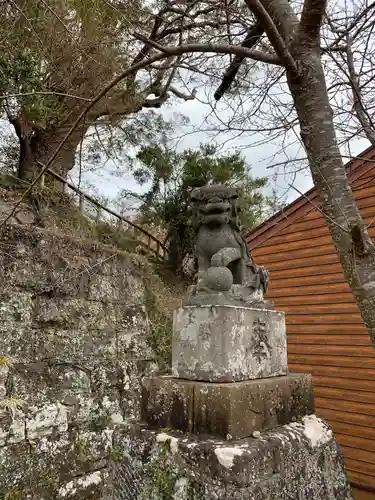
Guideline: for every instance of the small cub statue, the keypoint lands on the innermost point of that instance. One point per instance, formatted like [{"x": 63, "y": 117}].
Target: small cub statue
[{"x": 227, "y": 274}]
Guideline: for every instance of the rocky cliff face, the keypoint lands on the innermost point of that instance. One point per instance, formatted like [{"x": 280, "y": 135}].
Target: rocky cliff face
[{"x": 73, "y": 349}]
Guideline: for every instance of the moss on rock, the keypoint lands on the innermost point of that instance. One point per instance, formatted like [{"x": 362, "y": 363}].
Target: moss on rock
[{"x": 75, "y": 343}]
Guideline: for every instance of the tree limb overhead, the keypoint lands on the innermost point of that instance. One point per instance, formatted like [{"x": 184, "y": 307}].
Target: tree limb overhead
[
  {"x": 257, "y": 55},
  {"x": 311, "y": 18},
  {"x": 253, "y": 36},
  {"x": 273, "y": 34}
]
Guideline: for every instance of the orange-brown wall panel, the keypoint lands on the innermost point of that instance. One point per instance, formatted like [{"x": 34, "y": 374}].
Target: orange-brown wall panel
[
  {"x": 334, "y": 371},
  {"x": 326, "y": 334},
  {"x": 362, "y": 495}
]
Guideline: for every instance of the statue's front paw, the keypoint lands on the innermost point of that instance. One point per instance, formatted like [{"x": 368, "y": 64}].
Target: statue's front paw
[
  {"x": 264, "y": 276},
  {"x": 217, "y": 261}
]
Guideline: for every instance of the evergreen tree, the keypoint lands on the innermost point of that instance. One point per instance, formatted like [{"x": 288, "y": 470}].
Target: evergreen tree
[{"x": 173, "y": 175}]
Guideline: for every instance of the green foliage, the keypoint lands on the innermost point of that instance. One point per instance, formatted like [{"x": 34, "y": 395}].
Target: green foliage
[
  {"x": 173, "y": 175},
  {"x": 115, "y": 454},
  {"x": 162, "y": 478},
  {"x": 81, "y": 449},
  {"x": 5, "y": 361},
  {"x": 160, "y": 336},
  {"x": 55, "y": 58},
  {"x": 20, "y": 73},
  {"x": 13, "y": 494}
]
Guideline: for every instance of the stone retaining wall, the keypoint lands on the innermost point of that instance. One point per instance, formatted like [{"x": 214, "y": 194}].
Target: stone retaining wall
[{"x": 73, "y": 349}]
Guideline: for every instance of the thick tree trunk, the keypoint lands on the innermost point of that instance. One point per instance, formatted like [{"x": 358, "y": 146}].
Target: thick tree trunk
[
  {"x": 36, "y": 145},
  {"x": 24, "y": 131},
  {"x": 46, "y": 144},
  {"x": 175, "y": 252},
  {"x": 308, "y": 88},
  {"x": 26, "y": 167},
  {"x": 347, "y": 228}
]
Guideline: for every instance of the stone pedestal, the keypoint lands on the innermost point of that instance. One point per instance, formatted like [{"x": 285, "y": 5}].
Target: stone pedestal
[
  {"x": 299, "y": 461},
  {"x": 229, "y": 375},
  {"x": 243, "y": 426},
  {"x": 229, "y": 411},
  {"x": 228, "y": 343}
]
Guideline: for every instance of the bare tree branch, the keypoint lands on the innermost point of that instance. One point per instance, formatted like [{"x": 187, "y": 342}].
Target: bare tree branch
[
  {"x": 181, "y": 95},
  {"x": 318, "y": 208},
  {"x": 311, "y": 18},
  {"x": 353, "y": 24},
  {"x": 363, "y": 117},
  {"x": 254, "y": 34},
  {"x": 274, "y": 35},
  {"x": 257, "y": 55},
  {"x": 22, "y": 94},
  {"x": 167, "y": 52}
]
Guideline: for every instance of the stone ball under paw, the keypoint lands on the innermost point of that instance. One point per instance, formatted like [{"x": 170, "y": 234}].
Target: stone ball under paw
[{"x": 219, "y": 279}]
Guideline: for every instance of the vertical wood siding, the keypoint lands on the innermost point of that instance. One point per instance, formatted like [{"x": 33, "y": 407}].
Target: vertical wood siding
[{"x": 326, "y": 335}]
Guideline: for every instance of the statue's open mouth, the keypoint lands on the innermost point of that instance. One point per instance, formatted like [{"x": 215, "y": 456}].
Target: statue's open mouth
[
  {"x": 216, "y": 208},
  {"x": 216, "y": 213}
]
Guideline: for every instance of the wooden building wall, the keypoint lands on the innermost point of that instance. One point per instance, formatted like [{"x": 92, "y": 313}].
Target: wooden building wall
[{"x": 326, "y": 335}]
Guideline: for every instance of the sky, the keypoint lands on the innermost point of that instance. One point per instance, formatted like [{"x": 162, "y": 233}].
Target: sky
[
  {"x": 258, "y": 153},
  {"x": 258, "y": 156}
]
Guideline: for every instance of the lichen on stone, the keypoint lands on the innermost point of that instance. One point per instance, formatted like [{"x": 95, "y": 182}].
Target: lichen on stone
[
  {"x": 43, "y": 421},
  {"x": 82, "y": 483},
  {"x": 165, "y": 438},
  {"x": 74, "y": 347},
  {"x": 226, "y": 456},
  {"x": 315, "y": 429}
]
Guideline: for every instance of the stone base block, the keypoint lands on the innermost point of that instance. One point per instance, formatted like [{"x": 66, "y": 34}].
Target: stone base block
[
  {"x": 231, "y": 410},
  {"x": 228, "y": 343},
  {"x": 300, "y": 461},
  {"x": 65, "y": 466}
]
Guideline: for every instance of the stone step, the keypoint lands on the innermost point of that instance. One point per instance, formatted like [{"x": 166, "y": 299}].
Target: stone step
[
  {"x": 228, "y": 410},
  {"x": 298, "y": 461}
]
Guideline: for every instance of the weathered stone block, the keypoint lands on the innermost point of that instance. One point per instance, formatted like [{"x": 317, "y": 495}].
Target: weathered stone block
[
  {"x": 54, "y": 467},
  {"x": 4, "y": 370},
  {"x": 228, "y": 343},
  {"x": 168, "y": 402},
  {"x": 12, "y": 425},
  {"x": 74, "y": 335},
  {"x": 47, "y": 420},
  {"x": 42, "y": 383},
  {"x": 84, "y": 487},
  {"x": 233, "y": 410},
  {"x": 299, "y": 461},
  {"x": 16, "y": 335}
]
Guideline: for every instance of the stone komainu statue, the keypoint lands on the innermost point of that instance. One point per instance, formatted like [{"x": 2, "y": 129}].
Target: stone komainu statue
[{"x": 227, "y": 273}]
